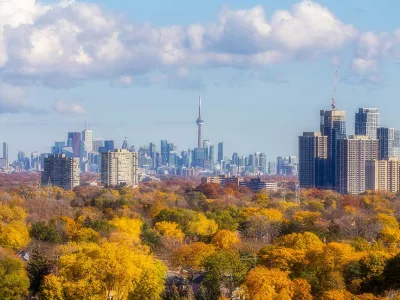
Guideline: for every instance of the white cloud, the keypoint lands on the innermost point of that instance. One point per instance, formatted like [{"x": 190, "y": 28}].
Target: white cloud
[
  {"x": 13, "y": 100},
  {"x": 64, "y": 108},
  {"x": 64, "y": 43},
  {"x": 309, "y": 26},
  {"x": 364, "y": 66},
  {"x": 125, "y": 80}
]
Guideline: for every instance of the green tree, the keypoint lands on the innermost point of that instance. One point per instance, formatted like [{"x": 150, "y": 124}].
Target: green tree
[
  {"x": 45, "y": 232},
  {"x": 226, "y": 219},
  {"x": 183, "y": 217},
  {"x": 391, "y": 273},
  {"x": 196, "y": 200},
  {"x": 223, "y": 269}
]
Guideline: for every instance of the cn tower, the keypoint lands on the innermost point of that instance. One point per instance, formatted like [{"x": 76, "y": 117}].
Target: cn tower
[{"x": 199, "y": 122}]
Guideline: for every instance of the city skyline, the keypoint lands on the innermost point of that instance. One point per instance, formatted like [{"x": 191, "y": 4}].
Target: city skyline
[{"x": 154, "y": 100}]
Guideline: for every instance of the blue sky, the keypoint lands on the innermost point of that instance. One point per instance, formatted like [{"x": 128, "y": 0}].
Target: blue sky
[{"x": 136, "y": 68}]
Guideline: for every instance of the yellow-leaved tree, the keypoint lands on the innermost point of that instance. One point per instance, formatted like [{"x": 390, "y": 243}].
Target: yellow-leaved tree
[
  {"x": 51, "y": 288},
  {"x": 203, "y": 226},
  {"x": 170, "y": 230},
  {"x": 128, "y": 230},
  {"x": 300, "y": 241},
  {"x": 268, "y": 284},
  {"x": 337, "y": 295},
  {"x": 190, "y": 256},
  {"x": 77, "y": 233},
  {"x": 91, "y": 271},
  {"x": 14, "y": 233},
  {"x": 225, "y": 239}
]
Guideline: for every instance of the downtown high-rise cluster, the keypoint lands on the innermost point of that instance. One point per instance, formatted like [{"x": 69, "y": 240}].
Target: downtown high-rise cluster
[
  {"x": 207, "y": 158},
  {"x": 367, "y": 160},
  {"x": 83, "y": 152}
]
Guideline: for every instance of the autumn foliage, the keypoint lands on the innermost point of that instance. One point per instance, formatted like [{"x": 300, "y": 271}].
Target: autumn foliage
[{"x": 177, "y": 240}]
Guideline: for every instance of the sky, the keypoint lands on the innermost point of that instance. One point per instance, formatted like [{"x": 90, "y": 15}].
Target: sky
[{"x": 135, "y": 69}]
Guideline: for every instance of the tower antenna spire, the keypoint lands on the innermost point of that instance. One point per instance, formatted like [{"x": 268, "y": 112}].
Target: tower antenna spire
[
  {"x": 334, "y": 91},
  {"x": 199, "y": 123},
  {"x": 199, "y": 106}
]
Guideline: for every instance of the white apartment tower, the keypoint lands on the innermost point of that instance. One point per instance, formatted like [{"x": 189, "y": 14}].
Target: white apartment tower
[
  {"x": 351, "y": 157},
  {"x": 382, "y": 175},
  {"x": 119, "y": 167}
]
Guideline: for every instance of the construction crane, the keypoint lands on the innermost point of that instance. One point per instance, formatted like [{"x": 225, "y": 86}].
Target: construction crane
[{"x": 334, "y": 91}]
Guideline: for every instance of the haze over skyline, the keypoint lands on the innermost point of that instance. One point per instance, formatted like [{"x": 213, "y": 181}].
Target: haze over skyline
[{"x": 135, "y": 69}]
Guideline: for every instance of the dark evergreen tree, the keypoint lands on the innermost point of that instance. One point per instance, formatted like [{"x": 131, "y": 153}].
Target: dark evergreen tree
[{"x": 38, "y": 267}]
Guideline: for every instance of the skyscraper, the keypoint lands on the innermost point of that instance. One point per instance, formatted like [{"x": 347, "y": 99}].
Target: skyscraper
[
  {"x": 153, "y": 155},
  {"x": 396, "y": 147},
  {"x": 313, "y": 155},
  {"x": 251, "y": 161},
  {"x": 108, "y": 146},
  {"x": 280, "y": 163},
  {"x": 367, "y": 121},
  {"x": 386, "y": 142},
  {"x": 74, "y": 141},
  {"x": 206, "y": 146},
  {"x": 199, "y": 157},
  {"x": 61, "y": 171},
  {"x": 200, "y": 123},
  {"x": 172, "y": 147},
  {"x": 272, "y": 168},
  {"x": 125, "y": 144},
  {"x": 35, "y": 161},
  {"x": 213, "y": 153},
  {"x": 172, "y": 159},
  {"x": 119, "y": 167},
  {"x": 21, "y": 157},
  {"x": 352, "y": 155},
  {"x": 235, "y": 159},
  {"x": 57, "y": 148},
  {"x": 5, "y": 151},
  {"x": 144, "y": 159},
  {"x": 332, "y": 125},
  {"x": 164, "y": 152},
  {"x": 263, "y": 163},
  {"x": 220, "y": 152},
  {"x": 97, "y": 144},
  {"x": 87, "y": 141}
]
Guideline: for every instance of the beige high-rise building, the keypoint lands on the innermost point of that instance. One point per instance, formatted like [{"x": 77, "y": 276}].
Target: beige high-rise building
[
  {"x": 313, "y": 155},
  {"x": 351, "y": 157},
  {"x": 382, "y": 175},
  {"x": 119, "y": 167},
  {"x": 62, "y": 171}
]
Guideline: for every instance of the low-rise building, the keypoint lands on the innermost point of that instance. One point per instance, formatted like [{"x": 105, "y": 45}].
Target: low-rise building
[
  {"x": 257, "y": 185},
  {"x": 222, "y": 180}
]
